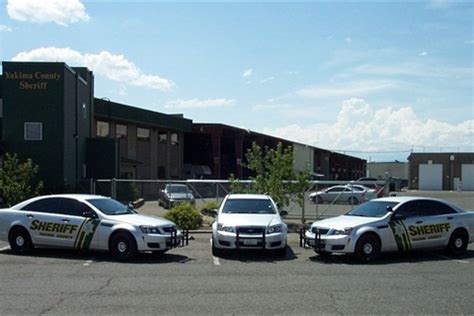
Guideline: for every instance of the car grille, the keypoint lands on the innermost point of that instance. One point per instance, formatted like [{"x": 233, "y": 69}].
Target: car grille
[
  {"x": 322, "y": 231},
  {"x": 251, "y": 230}
]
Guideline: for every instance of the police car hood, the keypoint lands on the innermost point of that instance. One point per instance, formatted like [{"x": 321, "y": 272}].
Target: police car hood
[
  {"x": 137, "y": 219},
  {"x": 345, "y": 221},
  {"x": 248, "y": 219}
]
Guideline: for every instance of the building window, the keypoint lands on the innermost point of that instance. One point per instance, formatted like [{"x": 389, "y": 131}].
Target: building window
[
  {"x": 84, "y": 111},
  {"x": 162, "y": 137},
  {"x": 33, "y": 131},
  {"x": 143, "y": 133},
  {"x": 174, "y": 139},
  {"x": 102, "y": 129},
  {"x": 121, "y": 131}
]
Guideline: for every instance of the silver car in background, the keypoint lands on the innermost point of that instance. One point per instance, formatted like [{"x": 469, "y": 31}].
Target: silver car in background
[{"x": 350, "y": 193}]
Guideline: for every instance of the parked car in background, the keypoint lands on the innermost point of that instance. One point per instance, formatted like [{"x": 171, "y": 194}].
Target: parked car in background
[
  {"x": 352, "y": 194},
  {"x": 175, "y": 193},
  {"x": 249, "y": 221},
  {"x": 372, "y": 183}
]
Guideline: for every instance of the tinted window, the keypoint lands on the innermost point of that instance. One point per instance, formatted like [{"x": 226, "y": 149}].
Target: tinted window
[
  {"x": 372, "y": 209},
  {"x": 73, "y": 207},
  {"x": 409, "y": 209},
  {"x": 431, "y": 208},
  {"x": 48, "y": 205},
  {"x": 177, "y": 189},
  {"x": 248, "y": 206},
  {"x": 335, "y": 190}
]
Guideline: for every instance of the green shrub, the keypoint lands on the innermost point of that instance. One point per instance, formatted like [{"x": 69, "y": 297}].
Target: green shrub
[
  {"x": 209, "y": 209},
  {"x": 185, "y": 216}
]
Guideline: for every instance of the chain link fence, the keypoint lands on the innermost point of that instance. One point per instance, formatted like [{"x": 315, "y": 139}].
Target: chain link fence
[{"x": 322, "y": 199}]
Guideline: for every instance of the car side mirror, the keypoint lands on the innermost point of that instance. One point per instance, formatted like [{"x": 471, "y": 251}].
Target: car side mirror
[
  {"x": 283, "y": 213},
  {"x": 389, "y": 209}
]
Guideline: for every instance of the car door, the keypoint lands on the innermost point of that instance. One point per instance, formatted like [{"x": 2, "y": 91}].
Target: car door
[
  {"x": 44, "y": 220},
  {"x": 436, "y": 226},
  {"x": 333, "y": 195},
  {"x": 402, "y": 222},
  {"x": 82, "y": 222}
]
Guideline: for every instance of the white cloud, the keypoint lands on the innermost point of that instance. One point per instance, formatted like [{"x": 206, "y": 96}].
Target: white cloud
[
  {"x": 362, "y": 127},
  {"x": 114, "y": 67},
  {"x": 200, "y": 104},
  {"x": 5, "y": 28},
  {"x": 267, "y": 79},
  {"x": 61, "y": 12},
  {"x": 348, "y": 40},
  {"x": 469, "y": 41},
  {"x": 422, "y": 54},
  {"x": 247, "y": 73},
  {"x": 352, "y": 89}
]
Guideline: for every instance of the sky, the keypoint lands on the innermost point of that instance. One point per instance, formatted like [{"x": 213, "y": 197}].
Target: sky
[{"x": 373, "y": 79}]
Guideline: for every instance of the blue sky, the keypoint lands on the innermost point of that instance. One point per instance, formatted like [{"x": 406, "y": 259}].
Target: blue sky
[{"x": 374, "y": 79}]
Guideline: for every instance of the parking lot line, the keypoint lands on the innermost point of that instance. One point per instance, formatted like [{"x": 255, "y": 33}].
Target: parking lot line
[
  {"x": 215, "y": 260},
  {"x": 5, "y": 248},
  {"x": 455, "y": 260},
  {"x": 88, "y": 262}
]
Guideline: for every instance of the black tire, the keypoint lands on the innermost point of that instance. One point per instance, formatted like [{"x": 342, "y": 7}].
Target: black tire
[
  {"x": 216, "y": 252},
  {"x": 123, "y": 247},
  {"x": 20, "y": 240},
  {"x": 353, "y": 200},
  {"x": 319, "y": 200},
  {"x": 458, "y": 242},
  {"x": 367, "y": 247}
]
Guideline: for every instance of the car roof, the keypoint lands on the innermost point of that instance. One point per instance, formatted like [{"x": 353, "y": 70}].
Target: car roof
[
  {"x": 79, "y": 197},
  {"x": 248, "y": 196},
  {"x": 400, "y": 199}
]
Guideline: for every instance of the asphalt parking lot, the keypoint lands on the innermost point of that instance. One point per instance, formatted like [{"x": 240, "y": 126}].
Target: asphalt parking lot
[{"x": 191, "y": 281}]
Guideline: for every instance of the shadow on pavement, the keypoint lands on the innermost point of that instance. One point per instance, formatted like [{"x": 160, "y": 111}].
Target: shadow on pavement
[
  {"x": 257, "y": 255},
  {"x": 141, "y": 258},
  {"x": 393, "y": 258}
]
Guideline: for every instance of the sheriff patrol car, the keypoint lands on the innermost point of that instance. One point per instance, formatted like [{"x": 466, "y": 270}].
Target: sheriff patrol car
[
  {"x": 391, "y": 224},
  {"x": 249, "y": 221},
  {"x": 85, "y": 222}
]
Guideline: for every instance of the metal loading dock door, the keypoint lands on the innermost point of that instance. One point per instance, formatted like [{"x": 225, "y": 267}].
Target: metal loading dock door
[
  {"x": 467, "y": 177},
  {"x": 430, "y": 177}
]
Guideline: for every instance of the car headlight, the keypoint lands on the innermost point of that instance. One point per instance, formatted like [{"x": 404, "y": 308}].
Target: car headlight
[
  {"x": 274, "y": 229},
  {"x": 345, "y": 231},
  {"x": 150, "y": 229},
  {"x": 223, "y": 228}
]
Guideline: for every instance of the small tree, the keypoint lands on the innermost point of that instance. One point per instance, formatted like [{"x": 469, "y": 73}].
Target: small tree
[
  {"x": 275, "y": 175},
  {"x": 17, "y": 180},
  {"x": 185, "y": 216}
]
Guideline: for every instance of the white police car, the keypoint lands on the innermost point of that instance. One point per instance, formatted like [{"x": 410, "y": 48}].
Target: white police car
[
  {"x": 85, "y": 222},
  {"x": 393, "y": 224},
  {"x": 249, "y": 221}
]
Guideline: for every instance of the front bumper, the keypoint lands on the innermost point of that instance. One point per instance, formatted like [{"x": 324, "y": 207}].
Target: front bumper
[
  {"x": 157, "y": 242},
  {"x": 326, "y": 243},
  {"x": 227, "y": 240}
]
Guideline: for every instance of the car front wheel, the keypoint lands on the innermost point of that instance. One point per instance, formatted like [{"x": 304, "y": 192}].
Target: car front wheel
[
  {"x": 122, "y": 246},
  {"x": 367, "y": 247}
]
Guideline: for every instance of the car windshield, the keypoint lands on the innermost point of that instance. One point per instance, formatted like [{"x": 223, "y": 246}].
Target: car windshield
[
  {"x": 177, "y": 189},
  {"x": 111, "y": 207},
  {"x": 372, "y": 209},
  {"x": 248, "y": 206}
]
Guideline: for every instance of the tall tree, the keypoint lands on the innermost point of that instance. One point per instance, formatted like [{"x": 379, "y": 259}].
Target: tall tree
[{"x": 274, "y": 175}]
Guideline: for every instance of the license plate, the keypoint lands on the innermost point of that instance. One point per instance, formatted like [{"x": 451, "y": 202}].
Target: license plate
[{"x": 250, "y": 242}]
